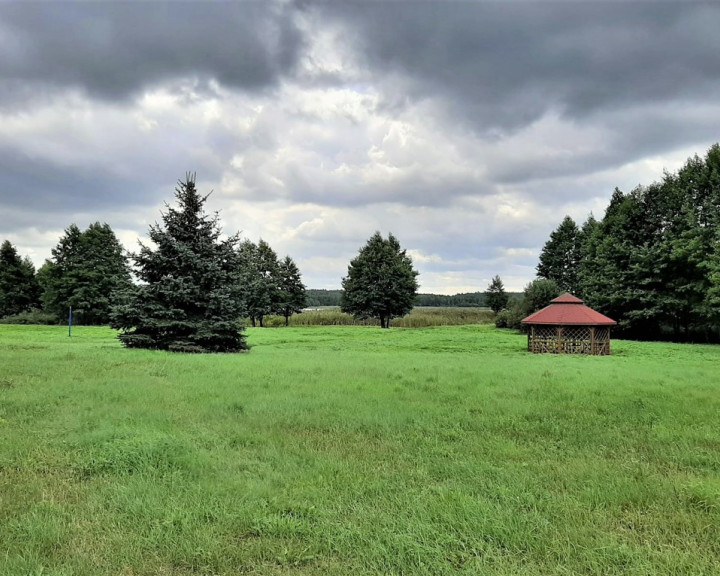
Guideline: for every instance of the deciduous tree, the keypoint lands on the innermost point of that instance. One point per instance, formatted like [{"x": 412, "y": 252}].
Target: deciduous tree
[
  {"x": 538, "y": 294},
  {"x": 260, "y": 272},
  {"x": 86, "y": 272},
  {"x": 381, "y": 281},
  {"x": 19, "y": 290},
  {"x": 291, "y": 293}
]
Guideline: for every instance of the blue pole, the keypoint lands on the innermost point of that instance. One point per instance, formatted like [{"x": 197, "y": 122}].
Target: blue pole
[{"x": 70, "y": 323}]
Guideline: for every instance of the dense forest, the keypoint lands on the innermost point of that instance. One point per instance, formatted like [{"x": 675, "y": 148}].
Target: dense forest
[{"x": 653, "y": 261}]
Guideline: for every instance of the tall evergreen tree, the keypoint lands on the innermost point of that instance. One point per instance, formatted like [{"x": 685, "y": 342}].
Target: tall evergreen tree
[
  {"x": 613, "y": 290},
  {"x": 191, "y": 299},
  {"x": 86, "y": 272},
  {"x": 291, "y": 293},
  {"x": 560, "y": 256},
  {"x": 19, "y": 289},
  {"x": 495, "y": 296},
  {"x": 381, "y": 281},
  {"x": 586, "y": 270}
]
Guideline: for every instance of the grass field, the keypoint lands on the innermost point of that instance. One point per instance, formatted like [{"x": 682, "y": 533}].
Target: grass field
[{"x": 354, "y": 450}]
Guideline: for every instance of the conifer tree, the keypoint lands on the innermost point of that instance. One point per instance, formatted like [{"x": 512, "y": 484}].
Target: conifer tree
[
  {"x": 560, "y": 256},
  {"x": 190, "y": 299},
  {"x": 495, "y": 296}
]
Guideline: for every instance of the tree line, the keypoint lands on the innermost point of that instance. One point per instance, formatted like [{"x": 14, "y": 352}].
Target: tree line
[
  {"x": 653, "y": 261},
  {"x": 90, "y": 272},
  {"x": 322, "y": 297},
  {"x": 193, "y": 285},
  {"x": 86, "y": 270}
]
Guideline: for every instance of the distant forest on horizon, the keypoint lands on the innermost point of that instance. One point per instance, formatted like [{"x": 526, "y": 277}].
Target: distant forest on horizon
[{"x": 322, "y": 297}]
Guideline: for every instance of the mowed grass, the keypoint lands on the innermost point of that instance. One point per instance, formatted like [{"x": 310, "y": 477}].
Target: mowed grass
[{"x": 355, "y": 450}]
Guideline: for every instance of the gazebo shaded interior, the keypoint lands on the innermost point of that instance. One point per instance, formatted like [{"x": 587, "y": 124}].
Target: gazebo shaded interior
[{"x": 593, "y": 340}]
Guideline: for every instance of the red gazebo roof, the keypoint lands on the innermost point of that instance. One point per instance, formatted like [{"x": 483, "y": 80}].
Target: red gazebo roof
[{"x": 568, "y": 309}]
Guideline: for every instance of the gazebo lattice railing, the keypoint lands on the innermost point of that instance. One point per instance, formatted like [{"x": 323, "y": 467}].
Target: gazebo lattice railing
[{"x": 593, "y": 340}]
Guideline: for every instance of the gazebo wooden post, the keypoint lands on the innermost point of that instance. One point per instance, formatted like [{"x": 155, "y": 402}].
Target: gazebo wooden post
[
  {"x": 593, "y": 349},
  {"x": 559, "y": 339},
  {"x": 532, "y": 345}
]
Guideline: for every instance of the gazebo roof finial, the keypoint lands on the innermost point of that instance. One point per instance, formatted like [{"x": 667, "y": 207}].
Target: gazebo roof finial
[{"x": 566, "y": 298}]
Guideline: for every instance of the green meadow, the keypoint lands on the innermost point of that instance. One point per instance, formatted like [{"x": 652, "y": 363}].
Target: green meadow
[{"x": 355, "y": 450}]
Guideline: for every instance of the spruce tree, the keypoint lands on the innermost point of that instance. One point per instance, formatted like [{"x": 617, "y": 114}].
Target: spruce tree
[
  {"x": 560, "y": 256},
  {"x": 495, "y": 296},
  {"x": 291, "y": 293},
  {"x": 190, "y": 299},
  {"x": 381, "y": 282},
  {"x": 19, "y": 290}
]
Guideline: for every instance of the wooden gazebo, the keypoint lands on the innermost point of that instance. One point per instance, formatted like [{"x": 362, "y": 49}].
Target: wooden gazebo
[{"x": 567, "y": 326}]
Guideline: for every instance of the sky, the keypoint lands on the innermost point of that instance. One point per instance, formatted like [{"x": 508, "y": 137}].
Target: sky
[{"x": 467, "y": 129}]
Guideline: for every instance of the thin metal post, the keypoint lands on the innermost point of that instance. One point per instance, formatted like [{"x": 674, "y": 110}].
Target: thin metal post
[{"x": 70, "y": 322}]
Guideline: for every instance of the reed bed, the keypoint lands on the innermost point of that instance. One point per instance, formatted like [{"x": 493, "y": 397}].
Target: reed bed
[{"x": 420, "y": 317}]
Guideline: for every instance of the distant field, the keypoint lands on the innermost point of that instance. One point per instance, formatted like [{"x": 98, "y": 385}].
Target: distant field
[
  {"x": 419, "y": 317},
  {"x": 354, "y": 450}
]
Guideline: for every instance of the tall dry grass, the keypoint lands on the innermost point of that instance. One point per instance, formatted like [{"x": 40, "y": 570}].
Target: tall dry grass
[{"x": 418, "y": 318}]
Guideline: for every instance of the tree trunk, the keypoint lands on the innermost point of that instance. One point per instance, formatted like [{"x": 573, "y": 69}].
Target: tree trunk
[
  {"x": 252, "y": 321},
  {"x": 261, "y": 321},
  {"x": 287, "y": 319}
]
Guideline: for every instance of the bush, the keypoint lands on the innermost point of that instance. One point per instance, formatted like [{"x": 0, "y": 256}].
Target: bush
[
  {"x": 34, "y": 316},
  {"x": 511, "y": 317},
  {"x": 537, "y": 295},
  {"x": 273, "y": 321}
]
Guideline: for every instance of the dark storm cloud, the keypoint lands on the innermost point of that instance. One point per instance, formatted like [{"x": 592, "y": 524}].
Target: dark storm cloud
[
  {"x": 502, "y": 65},
  {"x": 113, "y": 50},
  {"x": 52, "y": 195},
  {"x": 42, "y": 187},
  {"x": 467, "y": 128}
]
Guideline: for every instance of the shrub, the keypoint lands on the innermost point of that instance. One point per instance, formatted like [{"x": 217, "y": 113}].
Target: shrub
[
  {"x": 34, "y": 316},
  {"x": 511, "y": 317}
]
